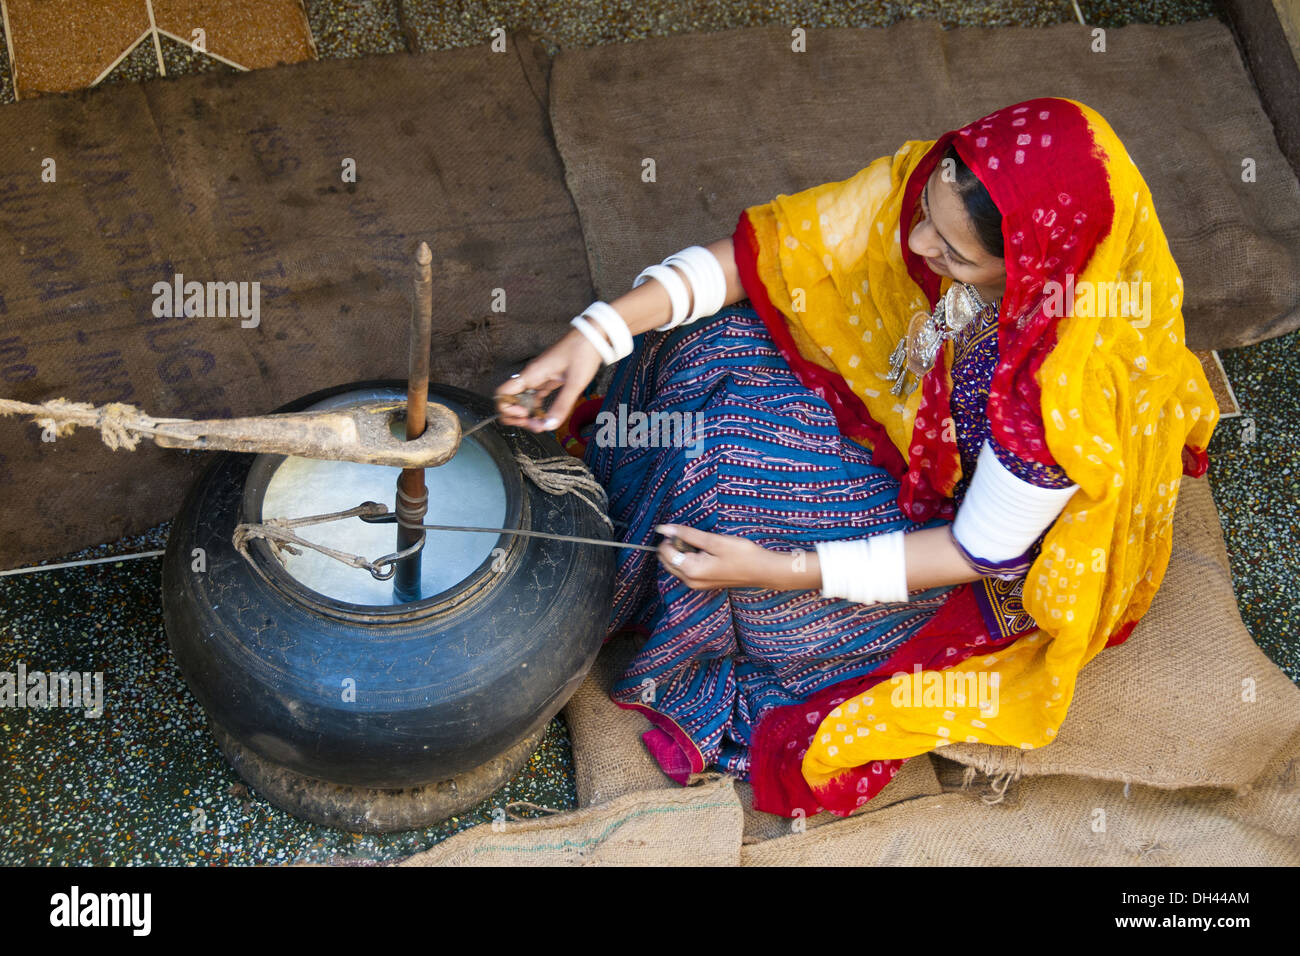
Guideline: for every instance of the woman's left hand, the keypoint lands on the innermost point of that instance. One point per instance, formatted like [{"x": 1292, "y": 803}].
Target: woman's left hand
[{"x": 723, "y": 561}]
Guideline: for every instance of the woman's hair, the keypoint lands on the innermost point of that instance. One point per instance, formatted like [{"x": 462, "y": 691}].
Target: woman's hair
[{"x": 984, "y": 214}]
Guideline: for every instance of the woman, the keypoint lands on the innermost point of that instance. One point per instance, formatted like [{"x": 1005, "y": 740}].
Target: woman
[{"x": 941, "y": 450}]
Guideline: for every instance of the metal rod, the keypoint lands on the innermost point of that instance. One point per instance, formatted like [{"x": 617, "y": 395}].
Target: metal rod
[
  {"x": 385, "y": 517},
  {"x": 527, "y": 398},
  {"x": 412, "y": 495},
  {"x": 678, "y": 543},
  {"x": 81, "y": 564}
]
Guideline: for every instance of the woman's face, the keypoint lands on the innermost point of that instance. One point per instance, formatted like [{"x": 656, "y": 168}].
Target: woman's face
[{"x": 945, "y": 238}]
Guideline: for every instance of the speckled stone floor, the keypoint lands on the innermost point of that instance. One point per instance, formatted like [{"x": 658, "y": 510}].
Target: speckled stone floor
[
  {"x": 145, "y": 782},
  {"x": 1254, "y": 470}
]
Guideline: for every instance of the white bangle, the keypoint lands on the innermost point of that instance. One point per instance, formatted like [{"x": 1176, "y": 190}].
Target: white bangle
[
  {"x": 678, "y": 294},
  {"x": 608, "y": 319},
  {"x": 866, "y": 571},
  {"x": 1002, "y": 514},
  {"x": 595, "y": 338},
  {"x": 693, "y": 280},
  {"x": 707, "y": 279}
]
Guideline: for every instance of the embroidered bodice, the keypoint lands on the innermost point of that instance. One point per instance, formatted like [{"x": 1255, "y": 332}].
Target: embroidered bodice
[{"x": 975, "y": 354}]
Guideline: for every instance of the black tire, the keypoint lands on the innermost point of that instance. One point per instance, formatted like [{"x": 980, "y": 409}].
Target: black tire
[
  {"x": 443, "y": 685},
  {"x": 369, "y": 810}
]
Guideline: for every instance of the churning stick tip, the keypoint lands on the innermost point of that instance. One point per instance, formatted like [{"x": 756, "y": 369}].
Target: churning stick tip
[{"x": 423, "y": 256}]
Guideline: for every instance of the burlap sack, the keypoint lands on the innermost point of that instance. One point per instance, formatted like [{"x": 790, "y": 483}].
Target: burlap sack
[
  {"x": 916, "y": 779},
  {"x": 1067, "y": 821},
  {"x": 1168, "y": 708},
  {"x": 610, "y": 761},
  {"x": 241, "y": 178},
  {"x": 735, "y": 118},
  {"x": 1046, "y": 821},
  {"x": 1188, "y": 700},
  {"x": 684, "y": 826}
]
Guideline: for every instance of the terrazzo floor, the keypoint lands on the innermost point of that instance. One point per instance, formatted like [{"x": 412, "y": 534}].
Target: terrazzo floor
[
  {"x": 145, "y": 782},
  {"x": 1254, "y": 469}
]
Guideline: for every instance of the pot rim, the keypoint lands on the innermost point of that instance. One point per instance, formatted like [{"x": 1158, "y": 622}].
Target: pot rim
[{"x": 517, "y": 514}]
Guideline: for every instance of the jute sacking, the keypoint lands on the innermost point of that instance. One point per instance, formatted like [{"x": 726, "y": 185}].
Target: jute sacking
[{"x": 684, "y": 826}]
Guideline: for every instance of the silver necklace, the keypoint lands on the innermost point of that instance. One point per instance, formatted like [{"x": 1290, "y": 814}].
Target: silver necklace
[{"x": 915, "y": 352}]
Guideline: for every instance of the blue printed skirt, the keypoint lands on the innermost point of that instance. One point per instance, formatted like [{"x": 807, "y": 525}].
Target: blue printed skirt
[{"x": 749, "y": 451}]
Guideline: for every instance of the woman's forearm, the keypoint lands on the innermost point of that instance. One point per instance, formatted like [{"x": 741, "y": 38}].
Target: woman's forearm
[
  {"x": 648, "y": 306},
  {"x": 931, "y": 560}
]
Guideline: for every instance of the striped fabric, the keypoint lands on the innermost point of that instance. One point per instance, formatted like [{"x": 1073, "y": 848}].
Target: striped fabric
[{"x": 771, "y": 465}]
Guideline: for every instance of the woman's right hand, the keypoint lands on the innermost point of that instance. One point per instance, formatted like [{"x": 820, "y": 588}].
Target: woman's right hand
[{"x": 569, "y": 365}]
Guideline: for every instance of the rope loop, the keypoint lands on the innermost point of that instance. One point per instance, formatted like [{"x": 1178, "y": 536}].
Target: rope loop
[
  {"x": 279, "y": 534},
  {"x": 565, "y": 473}
]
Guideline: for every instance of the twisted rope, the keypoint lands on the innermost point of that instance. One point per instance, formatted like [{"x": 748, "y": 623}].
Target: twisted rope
[
  {"x": 563, "y": 474},
  {"x": 279, "y": 534},
  {"x": 119, "y": 425}
]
